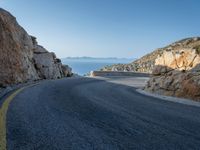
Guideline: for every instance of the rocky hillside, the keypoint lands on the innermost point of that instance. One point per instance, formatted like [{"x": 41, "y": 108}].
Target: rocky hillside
[
  {"x": 21, "y": 58},
  {"x": 185, "y": 84},
  {"x": 177, "y": 71},
  {"x": 147, "y": 62}
]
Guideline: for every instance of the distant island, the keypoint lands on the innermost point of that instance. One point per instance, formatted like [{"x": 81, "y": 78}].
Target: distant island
[
  {"x": 83, "y": 65},
  {"x": 99, "y": 58}
]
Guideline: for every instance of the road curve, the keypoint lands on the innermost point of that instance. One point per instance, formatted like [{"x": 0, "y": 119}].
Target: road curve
[{"x": 88, "y": 114}]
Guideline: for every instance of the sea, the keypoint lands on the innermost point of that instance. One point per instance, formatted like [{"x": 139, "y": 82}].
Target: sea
[{"x": 83, "y": 65}]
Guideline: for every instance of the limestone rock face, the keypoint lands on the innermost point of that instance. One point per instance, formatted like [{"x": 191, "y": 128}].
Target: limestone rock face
[
  {"x": 16, "y": 56},
  {"x": 176, "y": 83},
  {"x": 21, "y": 58},
  {"x": 46, "y": 64},
  {"x": 177, "y": 71},
  {"x": 182, "y": 59},
  {"x": 171, "y": 55}
]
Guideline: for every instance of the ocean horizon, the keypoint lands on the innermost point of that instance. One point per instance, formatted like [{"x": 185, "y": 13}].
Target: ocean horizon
[{"x": 83, "y": 65}]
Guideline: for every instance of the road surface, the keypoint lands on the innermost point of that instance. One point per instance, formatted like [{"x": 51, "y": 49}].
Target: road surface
[{"x": 98, "y": 114}]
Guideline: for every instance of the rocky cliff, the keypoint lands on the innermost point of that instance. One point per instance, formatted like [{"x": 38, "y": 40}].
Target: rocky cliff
[
  {"x": 21, "y": 58},
  {"x": 177, "y": 70},
  {"x": 147, "y": 62}
]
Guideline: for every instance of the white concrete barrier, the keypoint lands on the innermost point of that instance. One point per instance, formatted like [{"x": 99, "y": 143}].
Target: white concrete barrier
[{"x": 118, "y": 73}]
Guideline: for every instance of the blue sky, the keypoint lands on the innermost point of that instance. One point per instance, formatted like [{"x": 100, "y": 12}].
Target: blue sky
[{"x": 106, "y": 28}]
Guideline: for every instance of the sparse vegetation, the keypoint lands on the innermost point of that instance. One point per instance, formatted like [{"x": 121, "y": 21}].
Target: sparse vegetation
[{"x": 197, "y": 48}]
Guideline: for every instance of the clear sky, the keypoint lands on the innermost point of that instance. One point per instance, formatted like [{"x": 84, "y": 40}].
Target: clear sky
[{"x": 106, "y": 28}]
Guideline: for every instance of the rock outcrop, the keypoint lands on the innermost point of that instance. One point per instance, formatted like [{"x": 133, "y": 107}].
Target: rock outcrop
[
  {"x": 176, "y": 83},
  {"x": 144, "y": 64},
  {"x": 147, "y": 62},
  {"x": 21, "y": 58},
  {"x": 177, "y": 71}
]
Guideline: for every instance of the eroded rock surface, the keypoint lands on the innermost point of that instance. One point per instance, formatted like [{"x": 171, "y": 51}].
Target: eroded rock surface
[
  {"x": 167, "y": 55},
  {"x": 176, "y": 83},
  {"x": 21, "y": 58},
  {"x": 175, "y": 69},
  {"x": 177, "y": 72},
  {"x": 181, "y": 59}
]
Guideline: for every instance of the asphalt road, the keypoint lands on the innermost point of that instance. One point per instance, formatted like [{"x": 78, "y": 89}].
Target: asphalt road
[{"x": 95, "y": 114}]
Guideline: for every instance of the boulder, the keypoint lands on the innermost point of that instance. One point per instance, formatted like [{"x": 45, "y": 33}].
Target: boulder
[
  {"x": 46, "y": 67},
  {"x": 67, "y": 71},
  {"x": 159, "y": 70},
  {"x": 185, "y": 84}
]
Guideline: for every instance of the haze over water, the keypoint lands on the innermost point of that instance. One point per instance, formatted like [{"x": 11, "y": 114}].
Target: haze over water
[{"x": 84, "y": 65}]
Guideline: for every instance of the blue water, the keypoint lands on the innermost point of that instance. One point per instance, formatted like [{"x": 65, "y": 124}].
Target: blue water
[{"x": 84, "y": 66}]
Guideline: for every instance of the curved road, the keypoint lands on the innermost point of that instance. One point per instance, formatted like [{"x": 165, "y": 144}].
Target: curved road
[{"x": 89, "y": 113}]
